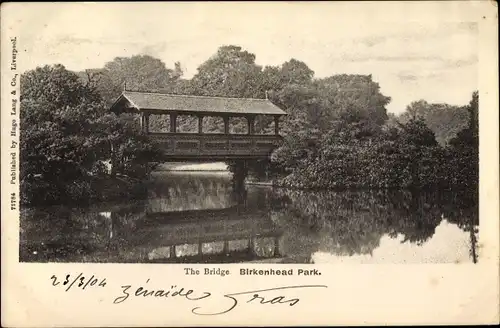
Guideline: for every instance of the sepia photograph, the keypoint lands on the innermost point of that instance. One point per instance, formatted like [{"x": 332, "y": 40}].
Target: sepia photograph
[
  {"x": 242, "y": 140},
  {"x": 249, "y": 163}
]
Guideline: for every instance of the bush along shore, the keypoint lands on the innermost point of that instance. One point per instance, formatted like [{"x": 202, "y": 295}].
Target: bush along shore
[
  {"x": 389, "y": 164},
  {"x": 82, "y": 191}
]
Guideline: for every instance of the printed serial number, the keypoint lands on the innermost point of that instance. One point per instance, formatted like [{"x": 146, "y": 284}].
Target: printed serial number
[{"x": 78, "y": 281}]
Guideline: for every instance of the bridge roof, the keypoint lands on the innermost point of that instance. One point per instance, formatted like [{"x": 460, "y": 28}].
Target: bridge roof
[{"x": 194, "y": 104}]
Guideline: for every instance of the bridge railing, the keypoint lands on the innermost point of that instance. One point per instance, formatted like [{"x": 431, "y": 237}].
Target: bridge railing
[{"x": 216, "y": 145}]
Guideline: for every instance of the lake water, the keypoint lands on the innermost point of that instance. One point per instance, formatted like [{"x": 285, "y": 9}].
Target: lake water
[{"x": 196, "y": 217}]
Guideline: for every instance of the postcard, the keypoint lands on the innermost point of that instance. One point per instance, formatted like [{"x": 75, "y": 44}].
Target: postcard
[{"x": 249, "y": 163}]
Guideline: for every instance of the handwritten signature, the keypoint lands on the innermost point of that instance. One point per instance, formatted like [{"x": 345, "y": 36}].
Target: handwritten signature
[{"x": 261, "y": 296}]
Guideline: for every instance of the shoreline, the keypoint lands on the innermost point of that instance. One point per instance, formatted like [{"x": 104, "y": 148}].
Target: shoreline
[
  {"x": 192, "y": 167},
  {"x": 260, "y": 183},
  {"x": 192, "y": 170},
  {"x": 123, "y": 188}
]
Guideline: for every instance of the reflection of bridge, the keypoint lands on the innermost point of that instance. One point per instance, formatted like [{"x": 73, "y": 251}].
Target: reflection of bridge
[
  {"x": 217, "y": 235},
  {"x": 202, "y": 146}
]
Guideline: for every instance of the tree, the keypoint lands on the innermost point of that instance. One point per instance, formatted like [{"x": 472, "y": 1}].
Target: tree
[
  {"x": 67, "y": 136},
  {"x": 419, "y": 150},
  {"x": 416, "y": 110},
  {"x": 231, "y": 72},
  {"x": 326, "y": 114},
  {"x": 57, "y": 116},
  {"x": 464, "y": 149},
  {"x": 416, "y": 133},
  {"x": 136, "y": 73},
  {"x": 292, "y": 72},
  {"x": 473, "y": 110},
  {"x": 443, "y": 119},
  {"x": 354, "y": 97}
]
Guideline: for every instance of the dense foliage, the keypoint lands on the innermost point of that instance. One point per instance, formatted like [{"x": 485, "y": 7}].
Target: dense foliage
[
  {"x": 337, "y": 133},
  {"x": 71, "y": 145},
  {"x": 356, "y": 154},
  {"x": 443, "y": 119}
]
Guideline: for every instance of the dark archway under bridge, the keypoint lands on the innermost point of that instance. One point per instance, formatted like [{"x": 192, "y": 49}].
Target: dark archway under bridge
[{"x": 201, "y": 146}]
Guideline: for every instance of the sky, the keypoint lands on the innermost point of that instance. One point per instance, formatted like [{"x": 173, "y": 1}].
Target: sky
[{"x": 414, "y": 51}]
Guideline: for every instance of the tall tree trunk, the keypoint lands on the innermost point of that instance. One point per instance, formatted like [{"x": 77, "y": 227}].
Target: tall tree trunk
[{"x": 113, "y": 159}]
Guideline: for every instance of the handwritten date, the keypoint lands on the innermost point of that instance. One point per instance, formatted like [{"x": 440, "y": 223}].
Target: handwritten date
[{"x": 79, "y": 281}]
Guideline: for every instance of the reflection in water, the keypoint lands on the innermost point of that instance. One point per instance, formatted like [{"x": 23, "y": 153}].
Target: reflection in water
[{"x": 197, "y": 218}]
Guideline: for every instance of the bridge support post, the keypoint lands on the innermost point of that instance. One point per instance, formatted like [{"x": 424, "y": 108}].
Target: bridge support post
[
  {"x": 200, "y": 124},
  {"x": 240, "y": 174},
  {"x": 251, "y": 124},
  {"x": 173, "y": 122},
  {"x": 277, "y": 251},
  {"x": 251, "y": 245},
  {"x": 226, "y": 124},
  {"x": 146, "y": 123}
]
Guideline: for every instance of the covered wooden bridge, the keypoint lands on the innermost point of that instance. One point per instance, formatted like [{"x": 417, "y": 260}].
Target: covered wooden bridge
[{"x": 203, "y": 145}]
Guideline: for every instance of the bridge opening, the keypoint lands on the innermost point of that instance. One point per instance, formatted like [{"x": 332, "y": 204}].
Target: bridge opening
[
  {"x": 159, "y": 123},
  {"x": 264, "y": 125},
  {"x": 212, "y": 124},
  {"x": 186, "y": 124}
]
